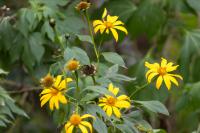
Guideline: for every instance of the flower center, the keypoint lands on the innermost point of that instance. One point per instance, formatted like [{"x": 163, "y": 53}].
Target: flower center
[
  {"x": 54, "y": 92},
  {"x": 108, "y": 24},
  {"x": 162, "y": 70},
  {"x": 111, "y": 101},
  {"x": 47, "y": 81},
  {"x": 75, "y": 119},
  {"x": 73, "y": 65}
]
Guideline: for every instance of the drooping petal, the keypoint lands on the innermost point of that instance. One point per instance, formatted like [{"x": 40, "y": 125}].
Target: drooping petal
[
  {"x": 45, "y": 96},
  {"x": 105, "y": 108},
  {"x": 87, "y": 124},
  {"x": 112, "y": 19},
  {"x": 118, "y": 23},
  {"x": 115, "y": 34},
  {"x": 83, "y": 129},
  {"x": 87, "y": 116},
  {"x": 62, "y": 85},
  {"x": 67, "y": 125},
  {"x": 44, "y": 101},
  {"x": 57, "y": 81},
  {"x": 56, "y": 102},
  {"x": 159, "y": 82},
  {"x": 167, "y": 81},
  {"x": 97, "y": 22},
  {"x": 123, "y": 104},
  {"x": 163, "y": 62},
  {"x": 109, "y": 111},
  {"x": 99, "y": 27},
  {"x": 171, "y": 68},
  {"x": 176, "y": 75},
  {"x": 150, "y": 71},
  {"x": 173, "y": 80},
  {"x": 104, "y": 13},
  {"x": 151, "y": 76},
  {"x": 107, "y": 31},
  {"x": 70, "y": 129},
  {"x": 51, "y": 103},
  {"x": 121, "y": 28},
  {"x": 116, "y": 112}
]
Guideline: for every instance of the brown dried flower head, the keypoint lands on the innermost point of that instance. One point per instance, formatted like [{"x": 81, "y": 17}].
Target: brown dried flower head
[{"x": 83, "y": 5}]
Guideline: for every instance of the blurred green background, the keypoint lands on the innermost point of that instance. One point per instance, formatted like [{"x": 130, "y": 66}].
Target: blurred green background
[{"x": 157, "y": 28}]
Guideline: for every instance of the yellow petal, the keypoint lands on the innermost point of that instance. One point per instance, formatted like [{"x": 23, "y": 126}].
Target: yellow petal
[
  {"x": 110, "y": 87},
  {"x": 58, "y": 79},
  {"x": 159, "y": 82},
  {"x": 70, "y": 129},
  {"x": 105, "y": 108},
  {"x": 116, "y": 112},
  {"x": 45, "y": 100},
  {"x": 152, "y": 66},
  {"x": 107, "y": 31},
  {"x": 62, "y": 99},
  {"x": 51, "y": 103},
  {"x": 83, "y": 129},
  {"x": 87, "y": 124},
  {"x": 163, "y": 62},
  {"x": 123, "y": 97},
  {"x": 115, "y": 91},
  {"x": 104, "y": 13},
  {"x": 45, "y": 96},
  {"x": 115, "y": 34},
  {"x": 87, "y": 116},
  {"x": 103, "y": 100},
  {"x": 118, "y": 23},
  {"x": 167, "y": 81},
  {"x": 97, "y": 22},
  {"x": 150, "y": 77},
  {"x": 62, "y": 85},
  {"x": 173, "y": 80},
  {"x": 150, "y": 71},
  {"x": 121, "y": 28},
  {"x": 68, "y": 80},
  {"x": 101, "y": 104},
  {"x": 177, "y": 76},
  {"x": 171, "y": 68},
  {"x": 123, "y": 104},
  {"x": 56, "y": 102},
  {"x": 109, "y": 111},
  {"x": 67, "y": 125},
  {"x": 112, "y": 19},
  {"x": 45, "y": 91},
  {"x": 99, "y": 27}
]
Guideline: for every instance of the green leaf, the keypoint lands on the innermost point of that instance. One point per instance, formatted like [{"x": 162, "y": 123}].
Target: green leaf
[
  {"x": 98, "y": 89},
  {"x": 114, "y": 58},
  {"x": 100, "y": 126},
  {"x": 3, "y": 72},
  {"x": 47, "y": 29},
  {"x": 122, "y": 8},
  {"x": 78, "y": 54},
  {"x": 124, "y": 128},
  {"x": 89, "y": 97},
  {"x": 36, "y": 41},
  {"x": 146, "y": 20},
  {"x": 85, "y": 38},
  {"x": 195, "y": 4},
  {"x": 120, "y": 77},
  {"x": 154, "y": 106}
]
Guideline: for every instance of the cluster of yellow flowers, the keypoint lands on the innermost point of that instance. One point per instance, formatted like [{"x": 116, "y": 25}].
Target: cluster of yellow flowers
[{"x": 55, "y": 88}]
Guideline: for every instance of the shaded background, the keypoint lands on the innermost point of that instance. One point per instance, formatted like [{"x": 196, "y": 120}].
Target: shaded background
[{"x": 157, "y": 28}]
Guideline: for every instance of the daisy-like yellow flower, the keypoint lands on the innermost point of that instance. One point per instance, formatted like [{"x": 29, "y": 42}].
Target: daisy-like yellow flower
[
  {"x": 112, "y": 104},
  {"x": 109, "y": 23},
  {"x": 55, "y": 93},
  {"x": 72, "y": 65},
  {"x": 162, "y": 71},
  {"x": 77, "y": 121}
]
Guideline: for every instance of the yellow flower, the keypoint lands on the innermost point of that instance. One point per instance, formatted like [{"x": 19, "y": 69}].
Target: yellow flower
[
  {"x": 162, "y": 71},
  {"x": 112, "y": 104},
  {"x": 47, "y": 81},
  {"x": 72, "y": 65},
  {"x": 55, "y": 93},
  {"x": 109, "y": 23},
  {"x": 77, "y": 121},
  {"x": 83, "y": 5}
]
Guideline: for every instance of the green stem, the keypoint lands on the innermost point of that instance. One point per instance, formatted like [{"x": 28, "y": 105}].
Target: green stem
[
  {"x": 138, "y": 89},
  {"x": 77, "y": 86},
  {"x": 92, "y": 36},
  {"x": 93, "y": 79}
]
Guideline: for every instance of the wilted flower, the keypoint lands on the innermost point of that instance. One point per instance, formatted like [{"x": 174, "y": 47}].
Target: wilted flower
[
  {"x": 88, "y": 70},
  {"x": 47, "y": 81},
  {"x": 83, "y": 5},
  {"x": 162, "y": 71},
  {"x": 77, "y": 121},
  {"x": 55, "y": 93},
  {"x": 109, "y": 23},
  {"x": 72, "y": 65},
  {"x": 112, "y": 104}
]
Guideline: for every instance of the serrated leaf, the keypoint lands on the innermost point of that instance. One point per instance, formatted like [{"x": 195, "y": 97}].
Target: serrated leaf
[{"x": 114, "y": 58}]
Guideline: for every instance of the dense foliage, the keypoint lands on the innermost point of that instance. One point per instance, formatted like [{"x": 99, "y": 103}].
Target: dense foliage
[{"x": 41, "y": 40}]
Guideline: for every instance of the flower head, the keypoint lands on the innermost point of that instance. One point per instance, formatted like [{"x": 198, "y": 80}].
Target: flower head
[
  {"x": 77, "y": 121},
  {"x": 112, "y": 104},
  {"x": 72, "y": 65},
  {"x": 163, "y": 72},
  {"x": 89, "y": 70},
  {"x": 47, "y": 81},
  {"x": 109, "y": 23},
  {"x": 55, "y": 93},
  {"x": 83, "y": 5}
]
